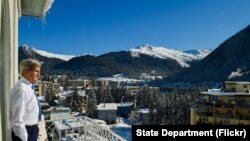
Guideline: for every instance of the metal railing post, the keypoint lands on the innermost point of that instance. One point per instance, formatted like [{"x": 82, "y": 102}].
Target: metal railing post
[{"x": 85, "y": 128}]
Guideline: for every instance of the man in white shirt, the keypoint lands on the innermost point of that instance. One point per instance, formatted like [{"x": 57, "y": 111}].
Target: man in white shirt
[{"x": 25, "y": 110}]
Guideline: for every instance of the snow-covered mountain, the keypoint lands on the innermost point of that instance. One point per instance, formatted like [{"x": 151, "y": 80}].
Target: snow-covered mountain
[
  {"x": 182, "y": 57},
  {"x": 143, "y": 59},
  {"x": 200, "y": 53},
  {"x": 50, "y": 55}
]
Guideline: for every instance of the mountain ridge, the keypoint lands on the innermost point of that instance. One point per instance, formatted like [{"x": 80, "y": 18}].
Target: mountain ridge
[
  {"x": 229, "y": 61},
  {"x": 107, "y": 64}
]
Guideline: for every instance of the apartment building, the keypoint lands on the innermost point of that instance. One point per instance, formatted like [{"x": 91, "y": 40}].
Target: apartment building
[
  {"x": 41, "y": 87},
  {"x": 227, "y": 106}
]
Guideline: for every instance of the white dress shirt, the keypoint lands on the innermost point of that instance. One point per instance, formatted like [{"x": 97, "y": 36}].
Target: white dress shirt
[{"x": 24, "y": 108}]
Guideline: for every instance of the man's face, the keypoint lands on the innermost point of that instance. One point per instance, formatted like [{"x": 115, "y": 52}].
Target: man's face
[{"x": 33, "y": 75}]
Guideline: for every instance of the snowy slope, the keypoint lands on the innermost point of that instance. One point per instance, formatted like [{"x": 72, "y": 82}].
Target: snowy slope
[
  {"x": 200, "y": 53},
  {"x": 181, "y": 57},
  {"x": 51, "y": 55}
]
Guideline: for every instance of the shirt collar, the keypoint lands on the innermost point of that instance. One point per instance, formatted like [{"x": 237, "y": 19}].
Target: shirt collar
[{"x": 26, "y": 81}]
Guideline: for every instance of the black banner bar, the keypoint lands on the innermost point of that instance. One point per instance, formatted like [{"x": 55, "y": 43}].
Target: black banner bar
[{"x": 181, "y": 132}]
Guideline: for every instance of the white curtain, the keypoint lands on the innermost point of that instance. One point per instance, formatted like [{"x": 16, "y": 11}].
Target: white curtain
[
  {"x": 8, "y": 60},
  {"x": 0, "y": 67}
]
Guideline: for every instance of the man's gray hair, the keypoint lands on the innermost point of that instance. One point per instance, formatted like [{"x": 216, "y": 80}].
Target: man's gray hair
[{"x": 28, "y": 65}]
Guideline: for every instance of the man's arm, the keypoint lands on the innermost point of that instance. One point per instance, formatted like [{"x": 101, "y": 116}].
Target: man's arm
[{"x": 17, "y": 112}]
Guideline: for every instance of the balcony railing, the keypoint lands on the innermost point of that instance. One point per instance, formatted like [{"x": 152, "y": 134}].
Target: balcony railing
[{"x": 80, "y": 129}]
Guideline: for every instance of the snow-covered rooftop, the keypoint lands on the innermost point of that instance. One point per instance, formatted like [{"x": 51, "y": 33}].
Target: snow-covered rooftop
[
  {"x": 118, "y": 79},
  {"x": 41, "y": 98},
  {"x": 221, "y": 93},
  {"x": 144, "y": 111},
  {"x": 238, "y": 82},
  {"x": 125, "y": 104},
  {"x": 60, "y": 115},
  {"x": 69, "y": 93},
  {"x": 107, "y": 106}
]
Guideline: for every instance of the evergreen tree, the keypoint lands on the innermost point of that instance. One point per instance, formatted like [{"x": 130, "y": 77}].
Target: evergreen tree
[
  {"x": 143, "y": 97},
  {"x": 46, "y": 77},
  {"x": 100, "y": 95},
  {"x": 91, "y": 103},
  {"x": 75, "y": 102},
  {"x": 107, "y": 96},
  {"x": 66, "y": 84},
  {"x": 153, "y": 108},
  {"x": 60, "y": 81},
  {"x": 119, "y": 93},
  {"x": 177, "y": 106},
  {"x": 50, "y": 95},
  {"x": 133, "y": 116}
]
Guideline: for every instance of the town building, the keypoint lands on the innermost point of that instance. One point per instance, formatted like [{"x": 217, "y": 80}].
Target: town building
[
  {"x": 228, "y": 106},
  {"x": 42, "y": 87},
  {"x": 124, "y": 108},
  {"x": 107, "y": 112},
  {"x": 84, "y": 83}
]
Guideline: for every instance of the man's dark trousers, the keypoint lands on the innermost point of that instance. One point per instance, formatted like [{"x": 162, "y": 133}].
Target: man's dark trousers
[{"x": 32, "y": 133}]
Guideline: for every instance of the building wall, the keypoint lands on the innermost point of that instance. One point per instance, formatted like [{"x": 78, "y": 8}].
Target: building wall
[
  {"x": 76, "y": 83},
  {"x": 101, "y": 83},
  {"x": 221, "y": 108},
  {"x": 218, "y": 109},
  {"x": 230, "y": 86},
  {"x": 193, "y": 113},
  {"x": 123, "y": 111},
  {"x": 108, "y": 115},
  {"x": 40, "y": 88},
  {"x": 244, "y": 88},
  {"x": 144, "y": 117}
]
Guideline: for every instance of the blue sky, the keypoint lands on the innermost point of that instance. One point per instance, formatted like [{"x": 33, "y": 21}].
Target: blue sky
[{"x": 99, "y": 26}]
